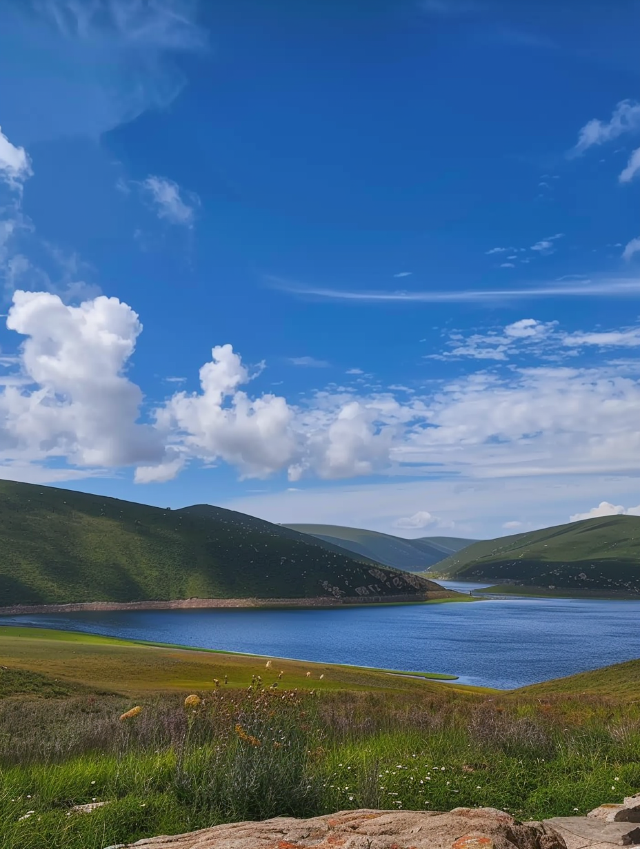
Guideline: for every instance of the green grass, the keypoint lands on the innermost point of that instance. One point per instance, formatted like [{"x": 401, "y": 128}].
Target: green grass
[
  {"x": 600, "y": 556},
  {"x": 412, "y": 555},
  {"x": 137, "y": 668},
  {"x": 59, "y": 546},
  {"x": 355, "y": 738}
]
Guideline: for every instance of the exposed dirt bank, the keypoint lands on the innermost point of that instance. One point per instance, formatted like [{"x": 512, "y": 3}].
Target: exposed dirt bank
[{"x": 210, "y": 603}]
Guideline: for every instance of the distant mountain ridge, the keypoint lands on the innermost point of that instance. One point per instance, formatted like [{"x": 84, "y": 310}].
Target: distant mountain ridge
[
  {"x": 411, "y": 555},
  {"x": 60, "y": 546},
  {"x": 594, "y": 554}
]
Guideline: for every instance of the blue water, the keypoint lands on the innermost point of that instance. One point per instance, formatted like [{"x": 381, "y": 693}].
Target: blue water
[{"x": 503, "y": 642}]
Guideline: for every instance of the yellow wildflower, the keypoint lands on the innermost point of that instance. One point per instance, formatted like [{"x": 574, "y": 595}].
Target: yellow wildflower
[
  {"x": 192, "y": 701},
  {"x": 131, "y": 713},
  {"x": 248, "y": 738}
]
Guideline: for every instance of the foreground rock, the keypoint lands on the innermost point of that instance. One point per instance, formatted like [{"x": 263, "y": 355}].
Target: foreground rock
[{"x": 462, "y": 828}]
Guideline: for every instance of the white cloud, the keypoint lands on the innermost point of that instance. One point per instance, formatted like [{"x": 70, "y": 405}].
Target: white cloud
[
  {"x": 606, "y": 509},
  {"x": 546, "y": 246},
  {"x": 15, "y": 166},
  {"x": 525, "y": 335},
  {"x": 507, "y": 265},
  {"x": 222, "y": 422},
  {"x": 511, "y": 526},
  {"x": 625, "y": 119},
  {"x": 76, "y": 404},
  {"x": 608, "y": 339},
  {"x": 93, "y": 64},
  {"x": 169, "y": 202},
  {"x": 528, "y": 328},
  {"x": 310, "y": 362},
  {"x": 354, "y": 371},
  {"x": 498, "y": 251},
  {"x": 403, "y": 274},
  {"x": 421, "y": 519},
  {"x": 600, "y": 287},
  {"x": 632, "y": 248},
  {"x": 633, "y": 167}
]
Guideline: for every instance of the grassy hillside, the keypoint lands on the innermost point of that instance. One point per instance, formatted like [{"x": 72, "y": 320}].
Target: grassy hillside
[
  {"x": 620, "y": 682},
  {"x": 412, "y": 555},
  {"x": 59, "y": 546},
  {"x": 596, "y": 554}
]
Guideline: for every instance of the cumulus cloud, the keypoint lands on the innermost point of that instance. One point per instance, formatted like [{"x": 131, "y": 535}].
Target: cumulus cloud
[
  {"x": 631, "y": 249},
  {"x": 606, "y": 509},
  {"x": 625, "y": 119},
  {"x": 632, "y": 169},
  {"x": 15, "y": 166},
  {"x": 498, "y": 251},
  {"x": 511, "y": 526},
  {"x": 170, "y": 202},
  {"x": 421, "y": 519},
  {"x": 75, "y": 402},
  {"x": 71, "y": 399}
]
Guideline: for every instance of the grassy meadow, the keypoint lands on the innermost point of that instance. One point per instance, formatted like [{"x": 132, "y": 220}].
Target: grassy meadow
[{"x": 288, "y": 738}]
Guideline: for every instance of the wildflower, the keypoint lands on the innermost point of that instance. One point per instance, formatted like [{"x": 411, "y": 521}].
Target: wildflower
[
  {"x": 308, "y": 675},
  {"x": 216, "y": 682},
  {"x": 321, "y": 677},
  {"x": 131, "y": 713},
  {"x": 268, "y": 664},
  {"x": 248, "y": 738},
  {"x": 26, "y": 816},
  {"x": 192, "y": 701}
]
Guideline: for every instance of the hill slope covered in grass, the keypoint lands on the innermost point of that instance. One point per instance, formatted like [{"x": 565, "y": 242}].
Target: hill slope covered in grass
[
  {"x": 595, "y": 554},
  {"x": 60, "y": 546},
  {"x": 412, "y": 555}
]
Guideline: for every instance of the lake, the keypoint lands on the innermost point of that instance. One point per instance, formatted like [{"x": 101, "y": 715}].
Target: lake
[{"x": 502, "y": 642}]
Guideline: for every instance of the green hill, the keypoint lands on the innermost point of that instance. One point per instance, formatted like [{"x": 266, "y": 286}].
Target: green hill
[
  {"x": 411, "y": 555},
  {"x": 620, "y": 682},
  {"x": 595, "y": 554},
  {"x": 60, "y": 546}
]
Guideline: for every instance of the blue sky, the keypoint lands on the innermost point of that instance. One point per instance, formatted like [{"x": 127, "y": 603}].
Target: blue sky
[{"x": 371, "y": 263}]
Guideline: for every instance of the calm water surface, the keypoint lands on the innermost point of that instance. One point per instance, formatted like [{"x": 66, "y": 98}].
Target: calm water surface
[{"x": 505, "y": 642}]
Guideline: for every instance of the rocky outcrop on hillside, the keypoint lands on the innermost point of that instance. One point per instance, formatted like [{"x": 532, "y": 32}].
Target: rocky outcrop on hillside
[{"x": 462, "y": 828}]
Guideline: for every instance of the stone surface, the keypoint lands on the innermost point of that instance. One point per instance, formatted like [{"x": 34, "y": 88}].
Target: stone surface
[
  {"x": 592, "y": 832},
  {"x": 367, "y": 829}
]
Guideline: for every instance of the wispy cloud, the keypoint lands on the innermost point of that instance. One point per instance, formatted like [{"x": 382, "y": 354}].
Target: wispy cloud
[
  {"x": 624, "y": 119},
  {"x": 633, "y": 167},
  {"x": 169, "y": 201},
  {"x": 94, "y": 64},
  {"x": 309, "y": 362},
  {"x": 546, "y": 246},
  {"x": 403, "y": 274},
  {"x": 622, "y": 287}
]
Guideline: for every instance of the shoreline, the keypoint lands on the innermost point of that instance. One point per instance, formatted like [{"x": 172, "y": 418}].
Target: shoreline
[{"x": 230, "y": 603}]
